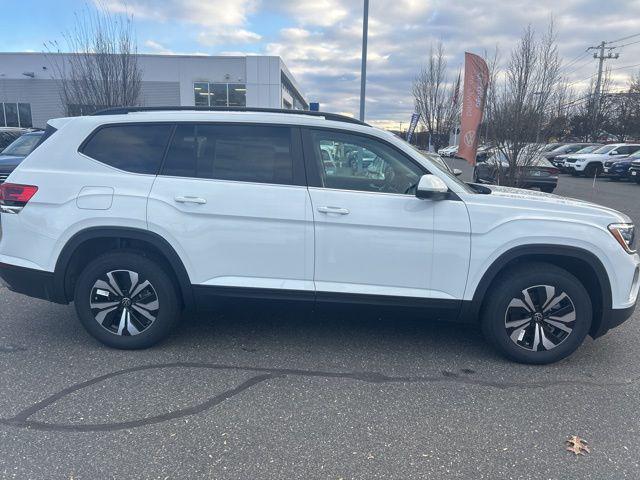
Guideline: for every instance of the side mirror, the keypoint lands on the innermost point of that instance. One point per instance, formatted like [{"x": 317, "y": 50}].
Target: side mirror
[
  {"x": 614, "y": 152},
  {"x": 432, "y": 187},
  {"x": 457, "y": 172}
]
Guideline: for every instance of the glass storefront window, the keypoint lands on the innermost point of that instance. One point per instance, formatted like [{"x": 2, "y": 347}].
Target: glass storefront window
[
  {"x": 11, "y": 114},
  {"x": 201, "y": 92},
  {"x": 220, "y": 94},
  {"x": 24, "y": 109},
  {"x": 237, "y": 95}
]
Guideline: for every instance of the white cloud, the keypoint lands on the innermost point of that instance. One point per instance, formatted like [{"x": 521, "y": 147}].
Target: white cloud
[
  {"x": 320, "y": 39},
  {"x": 227, "y": 36},
  {"x": 222, "y": 20}
]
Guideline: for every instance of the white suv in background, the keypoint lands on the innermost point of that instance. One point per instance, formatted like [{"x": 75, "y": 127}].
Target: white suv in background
[
  {"x": 137, "y": 214},
  {"x": 591, "y": 164}
]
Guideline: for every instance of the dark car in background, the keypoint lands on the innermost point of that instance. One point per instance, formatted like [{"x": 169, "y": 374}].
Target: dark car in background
[
  {"x": 535, "y": 172},
  {"x": 634, "y": 171},
  {"x": 618, "y": 169},
  {"x": 13, "y": 154},
  {"x": 9, "y": 134}
]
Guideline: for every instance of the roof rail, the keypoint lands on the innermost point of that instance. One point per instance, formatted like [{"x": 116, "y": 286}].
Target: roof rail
[{"x": 329, "y": 116}]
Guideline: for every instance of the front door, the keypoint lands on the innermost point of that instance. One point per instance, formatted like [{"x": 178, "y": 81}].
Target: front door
[{"x": 373, "y": 236}]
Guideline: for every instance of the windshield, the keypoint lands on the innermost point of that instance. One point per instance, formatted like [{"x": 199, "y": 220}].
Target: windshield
[
  {"x": 442, "y": 166},
  {"x": 605, "y": 149},
  {"x": 22, "y": 146},
  {"x": 589, "y": 149}
]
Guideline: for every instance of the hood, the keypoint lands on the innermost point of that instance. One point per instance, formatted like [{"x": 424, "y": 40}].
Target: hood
[
  {"x": 549, "y": 201},
  {"x": 10, "y": 162}
]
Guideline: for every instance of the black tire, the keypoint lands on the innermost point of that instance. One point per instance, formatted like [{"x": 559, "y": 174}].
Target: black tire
[
  {"x": 501, "y": 309},
  {"x": 547, "y": 188},
  {"x": 157, "y": 290},
  {"x": 593, "y": 170}
]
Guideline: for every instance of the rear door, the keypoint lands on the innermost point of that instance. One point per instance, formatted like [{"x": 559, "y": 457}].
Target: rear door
[{"x": 232, "y": 199}]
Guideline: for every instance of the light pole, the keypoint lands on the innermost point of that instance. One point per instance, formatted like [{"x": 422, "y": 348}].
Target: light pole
[{"x": 363, "y": 70}]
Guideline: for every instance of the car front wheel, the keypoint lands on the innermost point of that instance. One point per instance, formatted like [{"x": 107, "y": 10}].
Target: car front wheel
[
  {"x": 126, "y": 300},
  {"x": 537, "y": 313}
]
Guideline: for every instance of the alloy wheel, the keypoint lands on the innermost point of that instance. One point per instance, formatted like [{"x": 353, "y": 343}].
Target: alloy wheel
[
  {"x": 541, "y": 318},
  {"x": 124, "y": 302}
]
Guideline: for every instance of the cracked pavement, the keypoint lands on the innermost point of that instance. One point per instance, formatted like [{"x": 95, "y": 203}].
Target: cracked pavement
[{"x": 280, "y": 392}]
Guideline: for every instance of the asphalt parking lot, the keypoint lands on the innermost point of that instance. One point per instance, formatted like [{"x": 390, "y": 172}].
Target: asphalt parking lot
[{"x": 255, "y": 394}]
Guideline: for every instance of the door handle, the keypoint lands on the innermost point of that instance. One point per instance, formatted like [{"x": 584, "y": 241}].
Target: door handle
[
  {"x": 187, "y": 199},
  {"x": 338, "y": 210}
]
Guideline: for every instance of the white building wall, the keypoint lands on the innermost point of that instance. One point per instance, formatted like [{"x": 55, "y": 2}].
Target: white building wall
[{"x": 167, "y": 80}]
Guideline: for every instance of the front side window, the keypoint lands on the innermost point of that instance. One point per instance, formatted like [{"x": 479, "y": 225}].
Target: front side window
[
  {"x": 354, "y": 162},
  {"x": 245, "y": 153},
  {"x": 134, "y": 148}
]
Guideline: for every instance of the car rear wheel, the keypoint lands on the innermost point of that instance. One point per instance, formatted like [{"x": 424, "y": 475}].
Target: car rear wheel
[
  {"x": 537, "y": 313},
  {"x": 126, "y": 300},
  {"x": 547, "y": 188}
]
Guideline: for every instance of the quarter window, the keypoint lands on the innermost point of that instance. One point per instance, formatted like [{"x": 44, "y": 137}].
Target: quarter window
[
  {"x": 134, "y": 148},
  {"x": 353, "y": 162},
  {"x": 231, "y": 152}
]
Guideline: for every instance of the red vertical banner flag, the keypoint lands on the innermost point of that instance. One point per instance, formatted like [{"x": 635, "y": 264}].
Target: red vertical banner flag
[{"x": 476, "y": 82}]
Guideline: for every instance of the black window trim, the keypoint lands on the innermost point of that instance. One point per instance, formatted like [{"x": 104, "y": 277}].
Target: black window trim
[
  {"x": 311, "y": 162},
  {"x": 299, "y": 170},
  {"x": 299, "y": 174}
]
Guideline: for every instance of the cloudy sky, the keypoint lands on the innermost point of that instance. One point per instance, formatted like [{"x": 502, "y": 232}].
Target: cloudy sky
[{"x": 320, "y": 39}]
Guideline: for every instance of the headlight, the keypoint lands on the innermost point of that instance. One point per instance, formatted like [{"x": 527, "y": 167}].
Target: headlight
[{"x": 624, "y": 233}]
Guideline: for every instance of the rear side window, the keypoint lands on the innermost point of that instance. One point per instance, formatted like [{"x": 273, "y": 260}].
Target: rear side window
[
  {"x": 134, "y": 148},
  {"x": 245, "y": 153}
]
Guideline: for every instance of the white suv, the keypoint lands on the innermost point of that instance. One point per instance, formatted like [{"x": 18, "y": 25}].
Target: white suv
[
  {"x": 135, "y": 215},
  {"x": 591, "y": 164}
]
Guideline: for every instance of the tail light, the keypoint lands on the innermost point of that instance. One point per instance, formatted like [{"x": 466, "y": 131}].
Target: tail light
[
  {"x": 553, "y": 171},
  {"x": 14, "y": 197}
]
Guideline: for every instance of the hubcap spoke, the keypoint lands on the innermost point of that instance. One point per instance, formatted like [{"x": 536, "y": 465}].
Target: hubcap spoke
[
  {"x": 124, "y": 303},
  {"x": 541, "y": 319}
]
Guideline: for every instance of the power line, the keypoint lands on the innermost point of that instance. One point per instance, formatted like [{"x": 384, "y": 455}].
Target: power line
[
  {"x": 623, "y": 38},
  {"x": 627, "y": 44},
  {"x": 625, "y": 67},
  {"x": 575, "y": 60}
]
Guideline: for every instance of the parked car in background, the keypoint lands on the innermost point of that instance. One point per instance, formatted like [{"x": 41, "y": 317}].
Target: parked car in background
[
  {"x": 439, "y": 161},
  {"x": 449, "y": 151},
  {"x": 12, "y": 155},
  {"x": 545, "y": 148},
  {"x": 564, "y": 150},
  {"x": 558, "y": 161},
  {"x": 590, "y": 164},
  {"x": 536, "y": 172},
  {"x": 9, "y": 134},
  {"x": 634, "y": 171},
  {"x": 618, "y": 169}
]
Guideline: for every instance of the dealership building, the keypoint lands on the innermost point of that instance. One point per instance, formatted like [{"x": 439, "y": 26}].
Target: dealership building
[{"x": 29, "y": 89}]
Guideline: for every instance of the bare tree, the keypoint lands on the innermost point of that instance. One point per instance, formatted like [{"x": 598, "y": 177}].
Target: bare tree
[
  {"x": 436, "y": 99},
  {"x": 101, "y": 69},
  {"x": 519, "y": 103}
]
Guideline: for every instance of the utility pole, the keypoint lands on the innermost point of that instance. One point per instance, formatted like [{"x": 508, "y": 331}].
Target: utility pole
[
  {"x": 363, "y": 70},
  {"x": 601, "y": 57}
]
